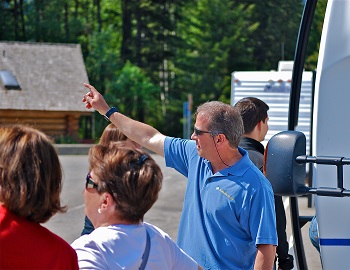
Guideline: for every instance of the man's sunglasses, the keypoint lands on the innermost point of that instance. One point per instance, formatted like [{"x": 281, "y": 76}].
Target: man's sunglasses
[
  {"x": 199, "y": 132},
  {"x": 90, "y": 183}
]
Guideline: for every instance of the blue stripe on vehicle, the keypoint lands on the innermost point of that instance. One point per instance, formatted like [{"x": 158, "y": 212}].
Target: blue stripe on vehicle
[{"x": 334, "y": 242}]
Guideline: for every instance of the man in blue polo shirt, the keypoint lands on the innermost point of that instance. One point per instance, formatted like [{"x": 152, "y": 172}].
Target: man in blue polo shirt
[{"x": 228, "y": 218}]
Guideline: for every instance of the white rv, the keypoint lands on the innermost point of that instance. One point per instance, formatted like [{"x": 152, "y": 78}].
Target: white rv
[{"x": 273, "y": 87}]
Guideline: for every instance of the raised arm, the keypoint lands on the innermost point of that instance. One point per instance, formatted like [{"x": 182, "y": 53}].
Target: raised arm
[{"x": 143, "y": 134}]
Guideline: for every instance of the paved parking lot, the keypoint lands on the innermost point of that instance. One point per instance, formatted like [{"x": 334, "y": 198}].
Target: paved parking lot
[{"x": 164, "y": 214}]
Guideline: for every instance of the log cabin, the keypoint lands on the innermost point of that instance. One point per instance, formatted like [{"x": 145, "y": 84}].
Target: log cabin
[{"x": 41, "y": 85}]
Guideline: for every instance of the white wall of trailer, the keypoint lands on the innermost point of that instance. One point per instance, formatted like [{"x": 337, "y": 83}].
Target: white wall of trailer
[{"x": 273, "y": 87}]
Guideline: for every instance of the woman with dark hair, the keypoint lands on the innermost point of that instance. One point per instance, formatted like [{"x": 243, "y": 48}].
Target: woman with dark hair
[
  {"x": 30, "y": 187},
  {"x": 122, "y": 185}
]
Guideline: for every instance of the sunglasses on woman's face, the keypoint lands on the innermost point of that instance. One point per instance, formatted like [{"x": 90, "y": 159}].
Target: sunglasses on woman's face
[{"x": 90, "y": 183}]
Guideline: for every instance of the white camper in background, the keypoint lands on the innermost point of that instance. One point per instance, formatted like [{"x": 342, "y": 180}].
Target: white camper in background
[{"x": 273, "y": 87}]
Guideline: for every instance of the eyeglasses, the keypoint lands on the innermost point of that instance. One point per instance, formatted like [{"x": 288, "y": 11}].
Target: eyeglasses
[
  {"x": 90, "y": 183},
  {"x": 199, "y": 132}
]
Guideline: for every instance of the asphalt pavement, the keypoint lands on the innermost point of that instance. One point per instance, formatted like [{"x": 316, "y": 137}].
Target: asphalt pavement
[{"x": 165, "y": 213}]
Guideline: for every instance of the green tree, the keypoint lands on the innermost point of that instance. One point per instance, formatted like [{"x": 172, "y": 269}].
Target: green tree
[
  {"x": 315, "y": 35},
  {"x": 149, "y": 41},
  {"x": 216, "y": 33},
  {"x": 133, "y": 92},
  {"x": 275, "y": 37},
  {"x": 12, "y": 24},
  {"x": 180, "y": 47}
]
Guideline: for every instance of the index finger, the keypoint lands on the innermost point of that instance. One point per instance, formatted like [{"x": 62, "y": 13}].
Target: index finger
[{"x": 91, "y": 88}]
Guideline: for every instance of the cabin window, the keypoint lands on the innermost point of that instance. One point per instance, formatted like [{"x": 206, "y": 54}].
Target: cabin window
[
  {"x": 86, "y": 129},
  {"x": 8, "y": 80}
]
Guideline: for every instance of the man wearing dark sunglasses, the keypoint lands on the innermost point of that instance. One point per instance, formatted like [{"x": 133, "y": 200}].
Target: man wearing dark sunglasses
[{"x": 228, "y": 218}]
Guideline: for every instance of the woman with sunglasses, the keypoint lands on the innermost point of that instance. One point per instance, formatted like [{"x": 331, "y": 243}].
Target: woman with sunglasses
[
  {"x": 110, "y": 134},
  {"x": 121, "y": 187},
  {"x": 30, "y": 187}
]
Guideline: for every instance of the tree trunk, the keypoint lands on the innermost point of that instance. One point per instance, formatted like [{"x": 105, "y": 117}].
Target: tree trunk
[
  {"x": 98, "y": 15},
  {"x": 66, "y": 23},
  {"x": 15, "y": 17},
  {"x": 125, "y": 51},
  {"x": 24, "y": 36}
]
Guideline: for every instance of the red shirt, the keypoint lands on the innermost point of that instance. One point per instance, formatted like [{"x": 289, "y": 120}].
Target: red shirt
[{"x": 28, "y": 245}]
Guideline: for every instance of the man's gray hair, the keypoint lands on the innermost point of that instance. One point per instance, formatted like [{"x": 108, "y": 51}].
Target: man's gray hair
[{"x": 223, "y": 119}]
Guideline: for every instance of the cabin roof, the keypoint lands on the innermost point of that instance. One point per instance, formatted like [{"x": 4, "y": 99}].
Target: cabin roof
[{"x": 50, "y": 76}]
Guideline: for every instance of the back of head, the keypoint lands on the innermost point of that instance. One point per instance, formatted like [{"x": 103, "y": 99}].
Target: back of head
[
  {"x": 30, "y": 173},
  {"x": 223, "y": 119},
  {"x": 252, "y": 110},
  {"x": 111, "y": 134},
  {"x": 130, "y": 175}
]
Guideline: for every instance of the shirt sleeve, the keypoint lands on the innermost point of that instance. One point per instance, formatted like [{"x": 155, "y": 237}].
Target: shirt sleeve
[
  {"x": 263, "y": 217},
  {"x": 177, "y": 153},
  {"x": 88, "y": 254}
]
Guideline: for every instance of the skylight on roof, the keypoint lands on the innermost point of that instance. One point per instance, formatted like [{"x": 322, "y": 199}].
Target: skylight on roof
[{"x": 8, "y": 80}]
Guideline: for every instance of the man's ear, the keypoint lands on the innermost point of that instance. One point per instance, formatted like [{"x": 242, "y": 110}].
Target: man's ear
[
  {"x": 259, "y": 124},
  {"x": 220, "y": 138}
]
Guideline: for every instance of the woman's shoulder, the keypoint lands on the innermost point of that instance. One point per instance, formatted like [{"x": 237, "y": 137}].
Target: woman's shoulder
[{"x": 157, "y": 233}]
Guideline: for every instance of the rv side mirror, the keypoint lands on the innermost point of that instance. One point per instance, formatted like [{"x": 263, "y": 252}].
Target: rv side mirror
[{"x": 287, "y": 177}]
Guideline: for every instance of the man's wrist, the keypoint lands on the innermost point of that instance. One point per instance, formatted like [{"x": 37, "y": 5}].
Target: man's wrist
[
  {"x": 108, "y": 114},
  {"x": 104, "y": 110}
]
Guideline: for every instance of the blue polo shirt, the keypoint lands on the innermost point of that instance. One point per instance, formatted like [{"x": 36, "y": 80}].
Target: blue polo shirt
[{"x": 226, "y": 214}]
